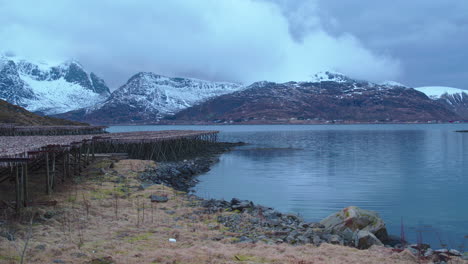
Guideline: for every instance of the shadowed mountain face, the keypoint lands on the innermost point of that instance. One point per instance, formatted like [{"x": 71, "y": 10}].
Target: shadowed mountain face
[
  {"x": 147, "y": 97},
  {"x": 326, "y": 100},
  {"x": 12, "y": 114},
  {"x": 456, "y": 102},
  {"x": 454, "y": 99}
]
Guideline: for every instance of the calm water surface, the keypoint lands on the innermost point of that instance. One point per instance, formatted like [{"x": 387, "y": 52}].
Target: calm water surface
[{"x": 414, "y": 173}]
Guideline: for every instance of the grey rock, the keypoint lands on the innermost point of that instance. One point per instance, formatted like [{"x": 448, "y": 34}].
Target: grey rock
[
  {"x": 429, "y": 252},
  {"x": 49, "y": 214},
  {"x": 58, "y": 261},
  {"x": 217, "y": 238},
  {"x": 347, "y": 234},
  {"x": 78, "y": 255},
  {"x": 237, "y": 204},
  {"x": 294, "y": 233},
  {"x": 213, "y": 226},
  {"x": 40, "y": 247},
  {"x": 274, "y": 222},
  {"x": 318, "y": 225},
  {"x": 244, "y": 239},
  {"x": 290, "y": 239},
  {"x": 309, "y": 234},
  {"x": 421, "y": 247},
  {"x": 144, "y": 186},
  {"x": 170, "y": 212},
  {"x": 413, "y": 251},
  {"x": 336, "y": 240},
  {"x": 8, "y": 235},
  {"x": 271, "y": 215},
  {"x": 316, "y": 240},
  {"x": 399, "y": 246},
  {"x": 158, "y": 199},
  {"x": 303, "y": 239},
  {"x": 455, "y": 252},
  {"x": 365, "y": 239},
  {"x": 356, "y": 219}
]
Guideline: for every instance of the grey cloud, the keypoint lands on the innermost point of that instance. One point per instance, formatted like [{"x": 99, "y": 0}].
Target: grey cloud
[
  {"x": 242, "y": 40},
  {"x": 429, "y": 37}
]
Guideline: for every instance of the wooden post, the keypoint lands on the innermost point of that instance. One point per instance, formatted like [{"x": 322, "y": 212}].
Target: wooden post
[
  {"x": 48, "y": 189},
  {"x": 92, "y": 148},
  {"x": 18, "y": 190},
  {"x": 79, "y": 160},
  {"x": 25, "y": 185},
  {"x": 64, "y": 173},
  {"x": 52, "y": 182}
]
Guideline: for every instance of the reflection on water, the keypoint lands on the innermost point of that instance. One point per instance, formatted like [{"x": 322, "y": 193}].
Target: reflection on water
[{"x": 415, "y": 172}]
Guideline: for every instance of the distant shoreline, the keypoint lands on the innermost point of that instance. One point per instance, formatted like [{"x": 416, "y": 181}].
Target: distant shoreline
[{"x": 281, "y": 123}]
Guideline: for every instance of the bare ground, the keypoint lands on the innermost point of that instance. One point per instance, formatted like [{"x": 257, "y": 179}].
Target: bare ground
[{"x": 105, "y": 215}]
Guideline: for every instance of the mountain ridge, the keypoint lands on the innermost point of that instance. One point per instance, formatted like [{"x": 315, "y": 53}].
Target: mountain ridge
[
  {"x": 455, "y": 99},
  {"x": 348, "y": 100},
  {"x": 148, "y": 97},
  {"x": 49, "y": 88}
]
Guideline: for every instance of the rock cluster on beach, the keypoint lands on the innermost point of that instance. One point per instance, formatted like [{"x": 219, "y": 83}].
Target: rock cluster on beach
[
  {"x": 352, "y": 226},
  {"x": 260, "y": 223}
]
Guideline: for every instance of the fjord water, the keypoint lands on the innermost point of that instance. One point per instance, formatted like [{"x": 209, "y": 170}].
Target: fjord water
[{"x": 415, "y": 173}]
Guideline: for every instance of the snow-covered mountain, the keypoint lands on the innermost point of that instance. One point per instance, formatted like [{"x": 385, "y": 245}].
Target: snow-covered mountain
[
  {"x": 147, "y": 97},
  {"x": 455, "y": 99},
  {"x": 328, "y": 97},
  {"x": 49, "y": 88},
  {"x": 436, "y": 92}
]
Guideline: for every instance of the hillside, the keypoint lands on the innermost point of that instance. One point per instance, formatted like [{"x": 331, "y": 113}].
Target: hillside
[
  {"x": 12, "y": 114},
  {"x": 338, "y": 98}
]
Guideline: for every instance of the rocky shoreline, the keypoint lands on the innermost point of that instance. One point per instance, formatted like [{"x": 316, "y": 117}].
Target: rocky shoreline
[
  {"x": 182, "y": 175},
  {"x": 352, "y": 226}
]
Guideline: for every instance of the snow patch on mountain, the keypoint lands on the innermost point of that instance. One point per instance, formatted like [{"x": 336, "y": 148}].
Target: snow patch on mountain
[
  {"x": 50, "y": 88},
  {"x": 329, "y": 76},
  {"x": 435, "y": 92},
  {"x": 392, "y": 84},
  {"x": 165, "y": 95},
  {"x": 59, "y": 96}
]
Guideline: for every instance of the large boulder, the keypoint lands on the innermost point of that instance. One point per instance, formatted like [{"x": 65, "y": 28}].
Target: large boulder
[
  {"x": 365, "y": 240},
  {"x": 356, "y": 219}
]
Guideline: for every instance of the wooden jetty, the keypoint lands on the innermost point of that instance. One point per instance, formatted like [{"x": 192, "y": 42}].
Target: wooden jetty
[
  {"x": 14, "y": 130},
  {"x": 56, "y": 158}
]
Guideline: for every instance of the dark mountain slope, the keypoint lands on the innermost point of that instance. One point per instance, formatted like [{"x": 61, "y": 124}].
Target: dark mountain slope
[
  {"x": 12, "y": 114},
  {"x": 327, "y": 100}
]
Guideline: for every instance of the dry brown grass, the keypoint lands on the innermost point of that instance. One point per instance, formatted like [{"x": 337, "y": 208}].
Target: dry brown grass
[{"x": 99, "y": 218}]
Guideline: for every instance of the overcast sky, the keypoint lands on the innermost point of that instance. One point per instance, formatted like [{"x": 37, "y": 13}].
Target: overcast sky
[{"x": 417, "y": 42}]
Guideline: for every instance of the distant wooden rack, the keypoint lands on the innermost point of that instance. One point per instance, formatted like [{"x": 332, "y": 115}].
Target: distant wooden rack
[{"x": 15, "y": 130}]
